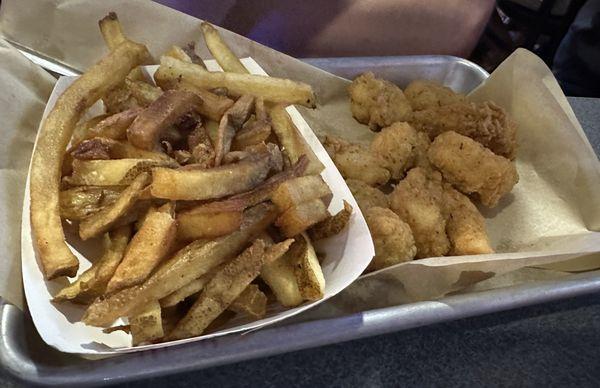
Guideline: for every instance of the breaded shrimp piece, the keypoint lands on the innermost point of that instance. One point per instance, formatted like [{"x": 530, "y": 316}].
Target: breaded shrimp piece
[
  {"x": 472, "y": 168},
  {"x": 377, "y": 102},
  {"x": 417, "y": 200},
  {"x": 465, "y": 226},
  {"x": 484, "y": 122},
  {"x": 355, "y": 161},
  {"x": 392, "y": 237},
  {"x": 423, "y": 94},
  {"x": 367, "y": 196},
  {"x": 395, "y": 146}
]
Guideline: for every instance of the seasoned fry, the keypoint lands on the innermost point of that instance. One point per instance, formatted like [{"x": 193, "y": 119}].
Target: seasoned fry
[
  {"x": 225, "y": 287},
  {"x": 292, "y": 141},
  {"x": 147, "y": 325},
  {"x": 188, "y": 264},
  {"x": 80, "y": 202},
  {"x": 230, "y": 123},
  {"x": 297, "y": 219},
  {"x": 147, "y": 249},
  {"x": 163, "y": 113},
  {"x": 55, "y": 256},
  {"x": 193, "y": 225},
  {"x": 107, "y": 217},
  {"x": 220, "y": 51},
  {"x": 297, "y": 190},
  {"x": 214, "y": 106},
  {"x": 251, "y": 301},
  {"x": 280, "y": 276},
  {"x": 143, "y": 92},
  {"x": 213, "y": 183},
  {"x": 92, "y": 283},
  {"x": 276, "y": 90},
  {"x": 189, "y": 289},
  {"x": 309, "y": 274},
  {"x": 332, "y": 225},
  {"x": 114, "y": 172}
]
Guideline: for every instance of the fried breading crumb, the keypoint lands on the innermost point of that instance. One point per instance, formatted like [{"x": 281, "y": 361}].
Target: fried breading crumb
[{"x": 392, "y": 237}]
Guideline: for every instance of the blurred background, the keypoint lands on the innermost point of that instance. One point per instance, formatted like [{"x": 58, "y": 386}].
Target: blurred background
[{"x": 564, "y": 33}]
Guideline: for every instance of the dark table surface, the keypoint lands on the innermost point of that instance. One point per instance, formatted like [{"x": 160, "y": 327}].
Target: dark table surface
[{"x": 553, "y": 345}]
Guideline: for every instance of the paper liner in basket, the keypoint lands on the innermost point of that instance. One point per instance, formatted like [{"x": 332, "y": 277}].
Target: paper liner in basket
[{"x": 345, "y": 258}]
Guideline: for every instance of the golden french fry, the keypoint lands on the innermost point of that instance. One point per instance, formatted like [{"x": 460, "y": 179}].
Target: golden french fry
[
  {"x": 280, "y": 276},
  {"x": 212, "y": 130},
  {"x": 297, "y": 219},
  {"x": 214, "y": 106},
  {"x": 55, "y": 256},
  {"x": 143, "y": 92},
  {"x": 106, "y": 218},
  {"x": 251, "y": 301},
  {"x": 295, "y": 191},
  {"x": 225, "y": 287},
  {"x": 192, "y": 225},
  {"x": 111, "y": 30},
  {"x": 309, "y": 274},
  {"x": 189, "y": 289},
  {"x": 332, "y": 225},
  {"x": 147, "y": 248},
  {"x": 147, "y": 325},
  {"x": 220, "y": 51},
  {"x": 276, "y": 90},
  {"x": 178, "y": 53},
  {"x": 292, "y": 141},
  {"x": 230, "y": 123},
  {"x": 188, "y": 264},
  {"x": 114, "y": 172},
  {"x": 80, "y": 202},
  {"x": 92, "y": 283}
]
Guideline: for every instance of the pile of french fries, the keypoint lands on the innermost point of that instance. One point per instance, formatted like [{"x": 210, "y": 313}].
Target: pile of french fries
[{"x": 204, "y": 194}]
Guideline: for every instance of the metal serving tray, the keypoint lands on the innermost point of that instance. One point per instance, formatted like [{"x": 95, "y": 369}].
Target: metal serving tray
[{"x": 26, "y": 357}]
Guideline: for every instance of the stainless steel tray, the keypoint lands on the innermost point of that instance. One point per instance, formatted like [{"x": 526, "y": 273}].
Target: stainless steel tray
[{"x": 25, "y": 356}]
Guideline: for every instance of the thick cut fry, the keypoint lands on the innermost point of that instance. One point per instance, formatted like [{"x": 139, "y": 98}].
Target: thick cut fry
[
  {"x": 80, "y": 202},
  {"x": 292, "y": 141},
  {"x": 230, "y": 123},
  {"x": 55, "y": 256},
  {"x": 220, "y": 51},
  {"x": 114, "y": 126},
  {"x": 252, "y": 301},
  {"x": 214, "y": 105},
  {"x": 111, "y": 30},
  {"x": 147, "y": 325},
  {"x": 189, "y": 289},
  {"x": 178, "y": 53},
  {"x": 188, "y": 264},
  {"x": 213, "y": 183},
  {"x": 147, "y": 249},
  {"x": 225, "y": 287},
  {"x": 92, "y": 283},
  {"x": 281, "y": 278},
  {"x": 106, "y": 218},
  {"x": 143, "y": 92},
  {"x": 117, "y": 172},
  {"x": 277, "y": 90},
  {"x": 309, "y": 274},
  {"x": 295, "y": 191},
  {"x": 332, "y": 225},
  {"x": 163, "y": 113},
  {"x": 297, "y": 219},
  {"x": 192, "y": 225},
  {"x": 105, "y": 148}
]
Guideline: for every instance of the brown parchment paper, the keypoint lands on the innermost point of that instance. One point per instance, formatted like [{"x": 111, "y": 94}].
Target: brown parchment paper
[{"x": 551, "y": 216}]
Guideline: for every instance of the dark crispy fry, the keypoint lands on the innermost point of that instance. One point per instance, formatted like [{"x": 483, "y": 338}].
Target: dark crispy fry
[
  {"x": 332, "y": 225},
  {"x": 297, "y": 219},
  {"x": 230, "y": 123},
  {"x": 80, "y": 202}
]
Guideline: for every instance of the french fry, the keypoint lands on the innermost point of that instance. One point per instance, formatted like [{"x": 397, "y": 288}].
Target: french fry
[
  {"x": 114, "y": 126},
  {"x": 163, "y": 113},
  {"x": 82, "y": 129},
  {"x": 146, "y": 326},
  {"x": 80, "y": 202},
  {"x": 309, "y": 274},
  {"x": 92, "y": 283},
  {"x": 212, "y": 183},
  {"x": 212, "y": 130},
  {"x": 111, "y": 30},
  {"x": 280, "y": 276},
  {"x": 276, "y": 90},
  {"x": 255, "y": 133},
  {"x": 295, "y": 191},
  {"x": 213, "y": 107},
  {"x": 332, "y": 225},
  {"x": 115, "y": 149},
  {"x": 251, "y": 301},
  {"x": 143, "y": 92},
  {"x": 225, "y": 287},
  {"x": 188, "y": 264},
  {"x": 178, "y": 53},
  {"x": 114, "y": 172},
  {"x": 292, "y": 141},
  {"x": 55, "y": 256},
  {"x": 192, "y": 225},
  {"x": 230, "y": 123},
  {"x": 107, "y": 217},
  {"x": 189, "y": 289},
  {"x": 297, "y": 219},
  {"x": 147, "y": 249},
  {"x": 220, "y": 51}
]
